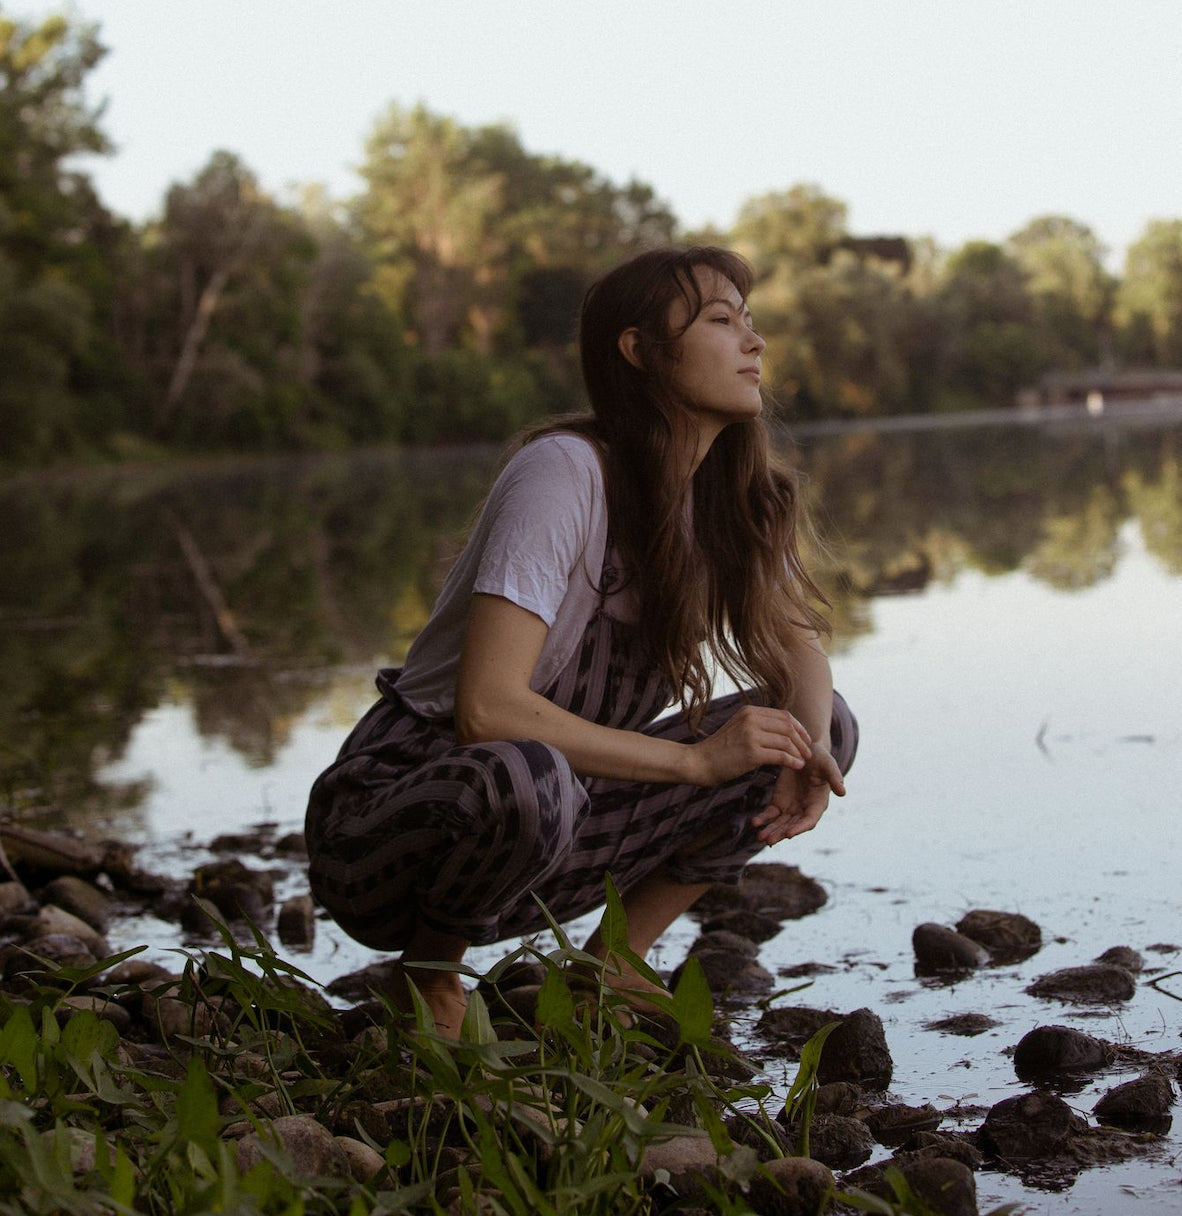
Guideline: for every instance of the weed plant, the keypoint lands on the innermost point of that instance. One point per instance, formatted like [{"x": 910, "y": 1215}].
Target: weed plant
[{"x": 522, "y": 1117}]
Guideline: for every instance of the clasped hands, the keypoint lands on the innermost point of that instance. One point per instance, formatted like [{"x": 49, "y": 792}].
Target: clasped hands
[{"x": 759, "y": 735}]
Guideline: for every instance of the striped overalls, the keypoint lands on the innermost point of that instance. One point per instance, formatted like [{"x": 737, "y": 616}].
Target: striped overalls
[{"x": 408, "y": 825}]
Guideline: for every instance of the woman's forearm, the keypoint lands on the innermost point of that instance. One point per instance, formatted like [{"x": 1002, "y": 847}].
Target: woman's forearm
[{"x": 812, "y": 701}]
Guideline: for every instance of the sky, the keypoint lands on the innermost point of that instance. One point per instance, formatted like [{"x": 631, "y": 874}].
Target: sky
[{"x": 953, "y": 120}]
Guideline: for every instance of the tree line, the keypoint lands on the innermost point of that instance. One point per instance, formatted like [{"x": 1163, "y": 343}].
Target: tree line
[{"x": 439, "y": 304}]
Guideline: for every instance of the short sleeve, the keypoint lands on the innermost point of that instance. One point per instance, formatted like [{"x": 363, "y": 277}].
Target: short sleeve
[{"x": 537, "y": 523}]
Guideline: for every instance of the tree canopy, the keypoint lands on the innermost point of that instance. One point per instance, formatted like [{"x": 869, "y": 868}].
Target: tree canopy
[{"x": 441, "y": 302}]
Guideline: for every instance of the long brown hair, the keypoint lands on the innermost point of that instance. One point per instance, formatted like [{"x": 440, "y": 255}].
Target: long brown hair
[{"x": 726, "y": 591}]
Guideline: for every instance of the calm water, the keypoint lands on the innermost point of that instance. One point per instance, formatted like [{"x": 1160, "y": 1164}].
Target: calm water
[{"x": 1006, "y": 603}]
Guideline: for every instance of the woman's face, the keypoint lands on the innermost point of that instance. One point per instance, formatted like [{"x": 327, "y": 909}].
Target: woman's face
[{"x": 717, "y": 370}]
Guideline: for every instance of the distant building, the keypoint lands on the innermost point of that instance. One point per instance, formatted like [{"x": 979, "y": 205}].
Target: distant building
[{"x": 1097, "y": 389}]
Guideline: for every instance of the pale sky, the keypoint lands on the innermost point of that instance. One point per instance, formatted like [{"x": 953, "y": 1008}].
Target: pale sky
[{"x": 954, "y": 119}]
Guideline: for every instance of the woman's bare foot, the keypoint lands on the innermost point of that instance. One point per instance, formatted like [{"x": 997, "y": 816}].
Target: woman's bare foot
[
  {"x": 624, "y": 982},
  {"x": 442, "y": 992}
]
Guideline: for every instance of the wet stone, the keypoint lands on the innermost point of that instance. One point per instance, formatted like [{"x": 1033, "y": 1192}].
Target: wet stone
[
  {"x": 81, "y": 898},
  {"x": 791, "y": 1186},
  {"x": 15, "y": 898},
  {"x": 1141, "y": 1103},
  {"x": 769, "y": 888},
  {"x": 940, "y": 951},
  {"x": 728, "y": 975},
  {"x": 837, "y": 1141},
  {"x": 788, "y": 1028},
  {"x": 752, "y": 925},
  {"x": 958, "y": 1146},
  {"x": 1093, "y": 983},
  {"x": 1029, "y": 1126},
  {"x": 839, "y": 1098},
  {"x": 313, "y": 1148},
  {"x": 296, "y": 924},
  {"x": 1123, "y": 956},
  {"x": 1049, "y": 1051},
  {"x": 965, "y": 1024},
  {"x": 1009, "y": 937},
  {"x": 895, "y": 1122},
  {"x": 857, "y": 1051},
  {"x": 726, "y": 942}
]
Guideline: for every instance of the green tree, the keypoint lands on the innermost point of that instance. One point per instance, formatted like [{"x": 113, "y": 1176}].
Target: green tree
[
  {"x": 1071, "y": 290},
  {"x": 788, "y": 231},
  {"x": 990, "y": 344},
  {"x": 1149, "y": 301},
  {"x": 55, "y": 239}
]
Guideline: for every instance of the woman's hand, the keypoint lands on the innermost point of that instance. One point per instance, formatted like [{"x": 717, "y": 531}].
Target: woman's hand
[
  {"x": 756, "y": 735},
  {"x": 799, "y": 797}
]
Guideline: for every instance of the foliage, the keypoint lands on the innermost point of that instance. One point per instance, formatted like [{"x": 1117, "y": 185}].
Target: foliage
[
  {"x": 545, "y": 1117},
  {"x": 440, "y": 304}
]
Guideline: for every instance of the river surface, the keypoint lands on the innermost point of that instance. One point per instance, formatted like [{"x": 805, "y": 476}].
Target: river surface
[{"x": 185, "y": 648}]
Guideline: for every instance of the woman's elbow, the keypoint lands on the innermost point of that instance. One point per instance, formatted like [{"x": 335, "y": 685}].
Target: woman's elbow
[{"x": 477, "y": 721}]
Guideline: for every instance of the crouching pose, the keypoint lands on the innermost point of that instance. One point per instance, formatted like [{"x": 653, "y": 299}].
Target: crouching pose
[{"x": 623, "y": 557}]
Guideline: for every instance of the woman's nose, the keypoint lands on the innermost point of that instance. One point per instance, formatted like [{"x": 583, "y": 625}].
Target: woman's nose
[{"x": 754, "y": 341}]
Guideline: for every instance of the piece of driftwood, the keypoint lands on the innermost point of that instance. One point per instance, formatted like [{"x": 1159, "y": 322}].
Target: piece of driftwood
[
  {"x": 227, "y": 626},
  {"x": 48, "y": 852}
]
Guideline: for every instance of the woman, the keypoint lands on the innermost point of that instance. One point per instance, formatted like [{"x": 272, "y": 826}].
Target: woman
[{"x": 620, "y": 558}]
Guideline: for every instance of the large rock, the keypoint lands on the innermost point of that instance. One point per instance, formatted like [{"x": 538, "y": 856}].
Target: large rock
[
  {"x": 857, "y": 1051},
  {"x": 791, "y": 1186},
  {"x": 313, "y": 1149},
  {"x": 1142, "y": 1103},
  {"x": 1029, "y": 1126},
  {"x": 1092, "y": 984},
  {"x": 1009, "y": 937},
  {"x": 940, "y": 950},
  {"x": 82, "y": 898},
  {"x": 770, "y": 888},
  {"x": 1050, "y": 1051}
]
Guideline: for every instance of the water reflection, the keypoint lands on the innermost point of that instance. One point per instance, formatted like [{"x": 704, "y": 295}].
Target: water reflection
[{"x": 229, "y": 589}]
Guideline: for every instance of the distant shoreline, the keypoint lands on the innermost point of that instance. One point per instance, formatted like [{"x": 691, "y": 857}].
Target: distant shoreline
[{"x": 1151, "y": 410}]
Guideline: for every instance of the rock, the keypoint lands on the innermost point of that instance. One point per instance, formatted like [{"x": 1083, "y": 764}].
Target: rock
[
  {"x": 140, "y": 973},
  {"x": 313, "y": 1149},
  {"x": 29, "y": 959},
  {"x": 102, "y": 1007},
  {"x": 1143, "y": 1103},
  {"x": 755, "y": 926},
  {"x": 297, "y": 922},
  {"x": 686, "y": 1158},
  {"x": 788, "y": 1028},
  {"x": 791, "y": 1186},
  {"x": 957, "y": 1145},
  {"x": 756, "y": 1130},
  {"x": 945, "y": 1185},
  {"x": 237, "y": 891},
  {"x": 895, "y": 1122},
  {"x": 81, "y": 898},
  {"x": 839, "y": 1098},
  {"x": 857, "y": 1051},
  {"x": 359, "y": 985},
  {"x": 1093, "y": 983},
  {"x": 15, "y": 899},
  {"x": 940, "y": 950},
  {"x": 168, "y": 1017},
  {"x": 1029, "y": 1126},
  {"x": 363, "y": 1162},
  {"x": 1052, "y": 1050},
  {"x": 1123, "y": 956},
  {"x": 1009, "y": 937},
  {"x": 966, "y": 1024},
  {"x": 52, "y": 920},
  {"x": 770, "y": 888},
  {"x": 721, "y": 941},
  {"x": 837, "y": 1141},
  {"x": 727, "y": 974}
]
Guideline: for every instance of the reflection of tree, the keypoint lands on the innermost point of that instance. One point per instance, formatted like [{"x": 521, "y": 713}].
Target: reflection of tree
[
  {"x": 1158, "y": 505},
  {"x": 337, "y": 560},
  {"x": 1078, "y": 549}
]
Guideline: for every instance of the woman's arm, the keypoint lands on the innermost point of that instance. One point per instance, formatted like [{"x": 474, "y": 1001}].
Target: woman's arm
[
  {"x": 801, "y": 796},
  {"x": 502, "y": 643}
]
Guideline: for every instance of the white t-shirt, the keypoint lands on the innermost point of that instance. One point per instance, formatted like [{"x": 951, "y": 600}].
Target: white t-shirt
[{"x": 539, "y": 542}]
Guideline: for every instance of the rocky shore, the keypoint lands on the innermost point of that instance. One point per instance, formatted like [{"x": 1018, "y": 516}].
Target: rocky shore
[{"x": 328, "y": 1075}]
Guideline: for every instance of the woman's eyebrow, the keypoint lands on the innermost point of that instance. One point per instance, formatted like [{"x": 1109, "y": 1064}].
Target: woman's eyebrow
[{"x": 740, "y": 308}]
